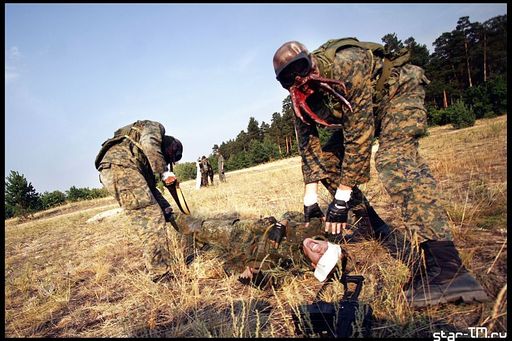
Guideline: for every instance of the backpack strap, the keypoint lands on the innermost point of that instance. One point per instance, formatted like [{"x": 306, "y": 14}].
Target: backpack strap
[
  {"x": 119, "y": 136},
  {"x": 326, "y": 53},
  {"x": 403, "y": 57}
]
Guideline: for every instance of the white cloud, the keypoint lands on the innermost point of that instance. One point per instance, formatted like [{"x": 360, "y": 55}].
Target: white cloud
[
  {"x": 13, "y": 55},
  {"x": 14, "y": 52},
  {"x": 11, "y": 73}
]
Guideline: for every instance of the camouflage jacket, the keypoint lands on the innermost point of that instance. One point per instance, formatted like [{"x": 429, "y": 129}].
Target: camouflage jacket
[
  {"x": 204, "y": 166},
  {"x": 137, "y": 145},
  {"x": 242, "y": 243},
  {"x": 320, "y": 163},
  {"x": 367, "y": 71}
]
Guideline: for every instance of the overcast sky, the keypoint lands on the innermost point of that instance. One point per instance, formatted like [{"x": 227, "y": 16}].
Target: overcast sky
[{"x": 75, "y": 73}]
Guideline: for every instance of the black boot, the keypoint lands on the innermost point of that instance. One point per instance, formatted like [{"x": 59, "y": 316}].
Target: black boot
[
  {"x": 444, "y": 279},
  {"x": 369, "y": 225},
  {"x": 380, "y": 229},
  {"x": 365, "y": 213}
]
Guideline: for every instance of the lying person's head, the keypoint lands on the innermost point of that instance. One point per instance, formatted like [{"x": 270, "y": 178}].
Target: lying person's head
[{"x": 323, "y": 256}]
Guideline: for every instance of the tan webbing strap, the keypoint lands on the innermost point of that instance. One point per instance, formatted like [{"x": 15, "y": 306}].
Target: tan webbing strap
[
  {"x": 132, "y": 140},
  {"x": 388, "y": 65},
  {"x": 135, "y": 143}
]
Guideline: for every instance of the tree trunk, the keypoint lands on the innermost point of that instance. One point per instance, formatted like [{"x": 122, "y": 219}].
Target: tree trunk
[
  {"x": 485, "y": 57},
  {"x": 445, "y": 99},
  {"x": 467, "y": 62},
  {"x": 296, "y": 137},
  {"x": 279, "y": 146}
]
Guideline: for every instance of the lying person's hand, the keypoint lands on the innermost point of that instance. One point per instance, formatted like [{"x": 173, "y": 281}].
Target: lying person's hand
[
  {"x": 257, "y": 278},
  {"x": 277, "y": 233}
]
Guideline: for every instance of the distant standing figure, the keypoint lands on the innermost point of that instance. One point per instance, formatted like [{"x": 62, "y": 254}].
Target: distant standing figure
[
  {"x": 220, "y": 165},
  {"x": 204, "y": 171},
  {"x": 198, "y": 173},
  {"x": 210, "y": 171}
]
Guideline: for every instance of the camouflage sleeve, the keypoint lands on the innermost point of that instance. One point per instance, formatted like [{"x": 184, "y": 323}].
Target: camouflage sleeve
[
  {"x": 354, "y": 66},
  {"x": 316, "y": 164},
  {"x": 151, "y": 137}
]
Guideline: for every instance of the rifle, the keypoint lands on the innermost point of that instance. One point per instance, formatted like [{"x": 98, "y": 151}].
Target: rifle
[{"x": 326, "y": 319}]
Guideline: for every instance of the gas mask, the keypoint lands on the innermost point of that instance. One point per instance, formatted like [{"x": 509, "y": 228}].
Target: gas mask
[{"x": 296, "y": 72}]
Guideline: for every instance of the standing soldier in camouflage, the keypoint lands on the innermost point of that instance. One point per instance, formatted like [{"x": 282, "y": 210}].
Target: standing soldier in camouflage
[
  {"x": 130, "y": 164},
  {"x": 210, "y": 171},
  {"x": 204, "y": 171},
  {"x": 220, "y": 166},
  {"x": 358, "y": 88}
]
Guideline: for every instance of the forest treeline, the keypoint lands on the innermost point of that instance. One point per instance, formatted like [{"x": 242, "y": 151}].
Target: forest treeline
[
  {"x": 467, "y": 72},
  {"x": 22, "y": 199}
]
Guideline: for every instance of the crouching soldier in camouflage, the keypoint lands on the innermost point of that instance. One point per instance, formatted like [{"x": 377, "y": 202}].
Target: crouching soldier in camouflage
[
  {"x": 363, "y": 92},
  {"x": 266, "y": 252},
  {"x": 130, "y": 164}
]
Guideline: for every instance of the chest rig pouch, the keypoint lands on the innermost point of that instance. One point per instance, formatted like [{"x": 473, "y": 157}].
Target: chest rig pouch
[{"x": 345, "y": 318}]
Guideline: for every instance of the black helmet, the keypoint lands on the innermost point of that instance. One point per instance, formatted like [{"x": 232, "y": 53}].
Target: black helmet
[{"x": 172, "y": 149}]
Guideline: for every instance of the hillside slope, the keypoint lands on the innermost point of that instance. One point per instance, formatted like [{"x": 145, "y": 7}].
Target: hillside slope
[{"x": 67, "y": 278}]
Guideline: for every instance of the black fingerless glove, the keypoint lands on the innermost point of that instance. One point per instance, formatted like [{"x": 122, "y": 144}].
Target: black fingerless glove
[
  {"x": 312, "y": 211},
  {"x": 277, "y": 232},
  {"x": 337, "y": 211}
]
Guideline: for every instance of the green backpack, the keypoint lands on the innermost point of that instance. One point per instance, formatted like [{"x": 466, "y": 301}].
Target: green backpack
[
  {"x": 326, "y": 53},
  {"x": 130, "y": 131}
]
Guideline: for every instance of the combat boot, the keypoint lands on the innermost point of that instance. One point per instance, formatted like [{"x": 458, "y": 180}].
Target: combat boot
[
  {"x": 380, "y": 229},
  {"x": 366, "y": 223},
  {"x": 369, "y": 222},
  {"x": 443, "y": 278}
]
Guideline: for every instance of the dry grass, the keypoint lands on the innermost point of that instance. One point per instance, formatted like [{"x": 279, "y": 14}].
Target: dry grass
[{"x": 66, "y": 278}]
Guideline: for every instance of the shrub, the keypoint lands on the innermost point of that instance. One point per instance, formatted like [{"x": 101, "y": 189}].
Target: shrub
[
  {"x": 488, "y": 99},
  {"x": 438, "y": 117},
  {"x": 76, "y": 194},
  {"x": 497, "y": 92},
  {"x": 51, "y": 199},
  {"x": 461, "y": 116},
  {"x": 185, "y": 171}
]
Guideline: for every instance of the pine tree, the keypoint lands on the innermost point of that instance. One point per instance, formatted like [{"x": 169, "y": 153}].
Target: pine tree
[{"x": 21, "y": 199}]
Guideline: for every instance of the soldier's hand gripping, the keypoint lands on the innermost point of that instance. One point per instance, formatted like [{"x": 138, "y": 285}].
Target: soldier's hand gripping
[
  {"x": 337, "y": 212},
  {"x": 169, "y": 214},
  {"x": 168, "y": 178},
  {"x": 277, "y": 233},
  {"x": 312, "y": 211}
]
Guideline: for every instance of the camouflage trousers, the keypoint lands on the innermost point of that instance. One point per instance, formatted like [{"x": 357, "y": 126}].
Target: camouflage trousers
[
  {"x": 133, "y": 194},
  {"x": 401, "y": 118},
  {"x": 204, "y": 179}
]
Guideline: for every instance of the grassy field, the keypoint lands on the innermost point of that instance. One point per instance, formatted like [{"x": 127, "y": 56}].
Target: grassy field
[{"x": 65, "y": 277}]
